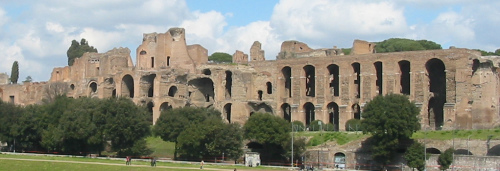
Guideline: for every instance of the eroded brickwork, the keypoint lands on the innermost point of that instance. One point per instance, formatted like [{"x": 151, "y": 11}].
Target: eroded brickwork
[{"x": 454, "y": 88}]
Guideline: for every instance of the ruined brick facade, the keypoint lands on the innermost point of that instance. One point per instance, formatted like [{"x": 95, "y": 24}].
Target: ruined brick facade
[{"x": 454, "y": 88}]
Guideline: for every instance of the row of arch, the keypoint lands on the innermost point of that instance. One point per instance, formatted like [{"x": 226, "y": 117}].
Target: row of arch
[{"x": 435, "y": 68}]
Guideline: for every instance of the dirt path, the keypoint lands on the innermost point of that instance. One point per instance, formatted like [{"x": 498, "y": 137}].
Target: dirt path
[{"x": 117, "y": 164}]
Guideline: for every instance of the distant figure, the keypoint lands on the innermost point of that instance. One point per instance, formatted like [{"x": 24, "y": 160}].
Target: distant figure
[
  {"x": 153, "y": 162},
  {"x": 201, "y": 164},
  {"x": 127, "y": 160}
]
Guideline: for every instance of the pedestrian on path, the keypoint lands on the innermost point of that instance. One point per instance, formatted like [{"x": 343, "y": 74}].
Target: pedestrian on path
[
  {"x": 201, "y": 164},
  {"x": 128, "y": 160}
]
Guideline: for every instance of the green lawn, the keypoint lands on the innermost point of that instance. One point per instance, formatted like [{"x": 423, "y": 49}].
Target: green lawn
[
  {"x": 62, "y": 163},
  {"x": 161, "y": 148},
  {"x": 458, "y": 134}
]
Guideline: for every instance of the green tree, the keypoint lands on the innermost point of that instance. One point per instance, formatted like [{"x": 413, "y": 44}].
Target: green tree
[
  {"x": 126, "y": 124},
  {"x": 298, "y": 126},
  {"x": 400, "y": 45},
  {"x": 173, "y": 122},
  {"x": 445, "y": 159},
  {"x": 211, "y": 138},
  {"x": 14, "y": 74},
  {"x": 272, "y": 132},
  {"x": 76, "y": 50},
  {"x": 414, "y": 156},
  {"x": 353, "y": 125},
  {"x": 220, "y": 57},
  {"x": 9, "y": 117},
  {"x": 28, "y": 79},
  {"x": 390, "y": 119}
]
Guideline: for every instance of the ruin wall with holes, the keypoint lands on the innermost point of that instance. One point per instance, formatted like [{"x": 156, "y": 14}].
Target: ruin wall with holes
[{"x": 454, "y": 88}]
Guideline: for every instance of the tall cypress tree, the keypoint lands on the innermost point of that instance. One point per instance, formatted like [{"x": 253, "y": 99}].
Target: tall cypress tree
[{"x": 14, "y": 74}]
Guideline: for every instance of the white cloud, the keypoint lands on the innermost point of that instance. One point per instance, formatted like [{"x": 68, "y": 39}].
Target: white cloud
[
  {"x": 205, "y": 25},
  {"x": 3, "y": 17}
]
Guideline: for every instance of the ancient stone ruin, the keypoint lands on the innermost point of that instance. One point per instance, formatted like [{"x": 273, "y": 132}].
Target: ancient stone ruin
[{"x": 454, "y": 88}]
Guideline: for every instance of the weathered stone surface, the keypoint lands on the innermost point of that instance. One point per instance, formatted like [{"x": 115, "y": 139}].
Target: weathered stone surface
[{"x": 454, "y": 88}]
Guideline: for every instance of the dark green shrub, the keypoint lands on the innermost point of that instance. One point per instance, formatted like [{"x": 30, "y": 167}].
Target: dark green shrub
[
  {"x": 353, "y": 125},
  {"x": 298, "y": 126}
]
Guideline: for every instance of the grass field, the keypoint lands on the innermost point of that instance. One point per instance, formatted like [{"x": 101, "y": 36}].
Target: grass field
[{"x": 26, "y": 162}]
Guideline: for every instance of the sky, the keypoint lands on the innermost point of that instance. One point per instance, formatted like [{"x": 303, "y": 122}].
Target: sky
[{"x": 37, "y": 34}]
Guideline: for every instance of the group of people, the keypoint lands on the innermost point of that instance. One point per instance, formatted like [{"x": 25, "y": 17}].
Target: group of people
[{"x": 128, "y": 161}]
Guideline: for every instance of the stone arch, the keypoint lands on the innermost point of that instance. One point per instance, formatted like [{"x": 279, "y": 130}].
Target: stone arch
[
  {"x": 113, "y": 93},
  {"x": 259, "y": 93},
  {"x": 339, "y": 160},
  {"x": 356, "y": 67},
  {"x": 333, "y": 114},
  {"x": 229, "y": 84},
  {"x": 207, "y": 72},
  {"x": 227, "y": 111},
  {"x": 172, "y": 91},
  {"x": 147, "y": 85},
  {"x": 165, "y": 106},
  {"x": 310, "y": 75},
  {"x": 333, "y": 83},
  {"x": 72, "y": 86},
  {"x": 92, "y": 88},
  {"x": 287, "y": 111},
  {"x": 356, "y": 111},
  {"x": 379, "y": 76},
  {"x": 404, "y": 81},
  {"x": 494, "y": 151},
  {"x": 462, "y": 152},
  {"x": 143, "y": 52},
  {"x": 287, "y": 80},
  {"x": 261, "y": 107},
  {"x": 437, "y": 88},
  {"x": 127, "y": 86},
  {"x": 309, "y": 112},
  {"x": 269, "y": 87},
  {"x": 202, "y": 91},
  {"x": 432, "y": 150}
]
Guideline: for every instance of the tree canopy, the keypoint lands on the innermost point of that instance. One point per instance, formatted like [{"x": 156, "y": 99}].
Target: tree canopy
[
  {"x": 14, "y": 74},
  {"x": 414, "y": 156},
  {"x": 390, "y": 119},
  {"x": 400, "y": 45},
  {"x": 77, "y": 49},
  {"x": 486, "y": 53},
  {"x": 76, "y": 126},
  {"x": 445, "y": 159},
  {"x": 220, "y": 57},
  {"x": 270, "y": 131}
]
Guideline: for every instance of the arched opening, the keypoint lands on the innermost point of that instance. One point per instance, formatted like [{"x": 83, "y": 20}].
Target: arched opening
[
  {"x": 462, "y": 152},
  {"x": 207, "y": 72},
  {"x": 165, "y": 106},
  {"x": 227, "y": 111},
  {"x": 437, "y": 88},
  {"x": 269, "y": 87},
  {"x": 113, "y": 94},
  {"x": 127, "y": 86},
  {"x": 404, "y": 68},
  {"x": 333, "y": 71},
  {"x": 202, "y": 92},
  {"x": 147, "y": 85},
  {"x": 356, "y": 67},
  {"x": 142, "y": 52},
  {"x": 260, "y": 94},
  {"x": 378, "y": 82},
  {"x": 475, "y": 65},
  {"x": 168, "y": 60},
  {"x": 287, "y": 78},
  {"x": 72, "y": 86},
  {"x": 432, "y": 151},
  {"x": 356, "y": 111},
  {"x": 494, "y": 151},
  {"x": 333, "y": 113},
  {"x": 339, "y": 160},
  {"x": 150, "y": 106},
  {"x": 260, "y": 107},
  {"x": 309, "y": 112},
  {"x": 287, "y": 112},
  {"x": 229, "y": 83},
  {"x": 310, "y": 75},
  {"x": 172, "y": 91},
  {"x": 93, "y": 87}
]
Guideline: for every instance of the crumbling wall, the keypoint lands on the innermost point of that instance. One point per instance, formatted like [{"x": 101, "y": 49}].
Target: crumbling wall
[
  {"x": 240, "y": 58},
  {"x": 256, "y": 52},
  {"x": 362, "y": 47}
]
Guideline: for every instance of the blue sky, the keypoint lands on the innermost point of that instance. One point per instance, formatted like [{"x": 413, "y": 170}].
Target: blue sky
[{"x": 38, "y": 33}]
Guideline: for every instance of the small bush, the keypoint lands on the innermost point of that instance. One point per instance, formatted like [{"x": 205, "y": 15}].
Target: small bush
[
  {"x": 329, "y": 127},
  {"x": 353, "y": 125},
  {"x": 298, "y": 126},
  {"x": 315, "y": 126}
]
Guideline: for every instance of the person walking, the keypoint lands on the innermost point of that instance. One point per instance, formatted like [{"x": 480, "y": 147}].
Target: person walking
[
  {"x": 127, "y": 160},
  {"x": 201, "y": 164}
]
